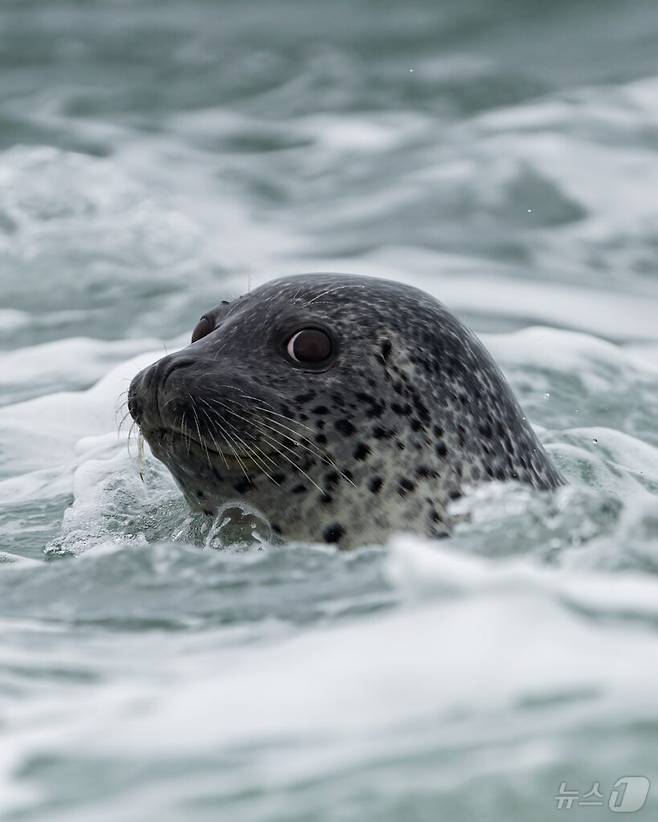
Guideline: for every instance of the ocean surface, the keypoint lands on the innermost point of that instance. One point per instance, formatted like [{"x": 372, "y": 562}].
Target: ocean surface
[{"x": 157, "y": 156}]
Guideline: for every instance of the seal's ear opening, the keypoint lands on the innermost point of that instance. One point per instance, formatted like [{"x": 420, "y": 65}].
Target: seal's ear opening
[{"x": 386, "y": 348}]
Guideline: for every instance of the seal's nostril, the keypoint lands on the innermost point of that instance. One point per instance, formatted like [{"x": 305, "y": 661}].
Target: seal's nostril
[
  {"x": 166, "y": 367},
  {"x": 146, "y": 390}
]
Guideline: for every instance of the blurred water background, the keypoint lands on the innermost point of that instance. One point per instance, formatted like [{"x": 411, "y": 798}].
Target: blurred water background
[{"x": 159, "y": 156}]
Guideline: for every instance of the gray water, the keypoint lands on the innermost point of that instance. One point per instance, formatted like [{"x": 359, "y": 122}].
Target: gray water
[{"x": 157, "y": 157}]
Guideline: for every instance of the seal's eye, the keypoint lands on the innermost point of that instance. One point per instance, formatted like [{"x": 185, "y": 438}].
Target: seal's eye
[
  {"x": 310, "y": 346},
  {"x": 202, "y": 328}
]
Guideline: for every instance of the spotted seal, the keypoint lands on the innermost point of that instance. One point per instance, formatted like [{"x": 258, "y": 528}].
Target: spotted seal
[{"x": 342, "y": 407}]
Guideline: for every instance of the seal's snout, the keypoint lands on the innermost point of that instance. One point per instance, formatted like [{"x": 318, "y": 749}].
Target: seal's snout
[
  {"x": 137, "y": 395},
  {"x": 147, "y": 389},
  {"x": 135, "y": 405}
]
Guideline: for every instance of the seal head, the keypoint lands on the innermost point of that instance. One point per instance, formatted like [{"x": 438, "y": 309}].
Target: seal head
[{"x": 342, "y": 407}]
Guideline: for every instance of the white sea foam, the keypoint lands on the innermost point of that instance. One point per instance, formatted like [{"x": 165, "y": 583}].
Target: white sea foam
[{"x": 333, "y": 698}]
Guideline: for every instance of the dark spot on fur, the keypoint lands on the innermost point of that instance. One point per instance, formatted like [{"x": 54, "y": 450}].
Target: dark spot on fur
[
  {"x": 405, "y": 486},
  {"x": 374, "y": 407},
  {"x": 424, "y": 472},
  {"x": 401, "y": 410},
  {"x": 380, "y": 433},
  {"x": 304, "y": 398},
  {"x": 320, "y": 409},
  {"x": 332, "y": 478},
  {"x": 299, "y": 489},
  {"x": 344, "y": 427},
  {"x": 441, "y": 449},
  {"x": 361, "y": 451},
  {"x": 375, "y": 484},
  {"x": 421, "y": 408},
  {"x": 321, "y": 439},
  {"x": 325, "y": 499},
  {"x": 242, "y": 485},
  {"x": 333, "y": 533},
  {"x": 279, "y": 477}
]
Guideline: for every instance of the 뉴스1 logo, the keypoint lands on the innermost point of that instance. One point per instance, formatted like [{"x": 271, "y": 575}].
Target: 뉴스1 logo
[{"x": 628, "y": 795}]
